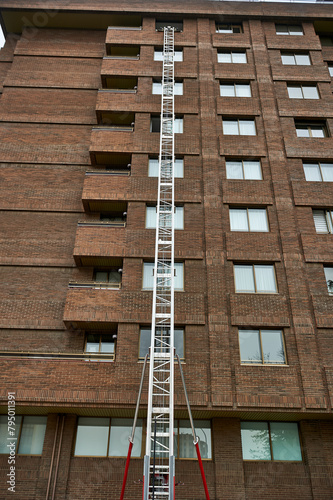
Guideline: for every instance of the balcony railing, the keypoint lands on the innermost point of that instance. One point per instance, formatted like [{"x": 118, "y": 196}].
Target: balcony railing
[
  {"x": 115, "y": 128},
  {"x": 134, "y": 58},
  {"x": 133, "y": 28},
  {"x": 114, "y": 171},
  {"x": 94, "y": 284},
  {"x": 119, "y": 91},
  {"x": 102, "y": 223},
  {"x": 88, "y": 356}
]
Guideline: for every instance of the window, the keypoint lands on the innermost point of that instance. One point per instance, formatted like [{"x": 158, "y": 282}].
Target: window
[
  {"x": 243, "y": 169},
  {"x": 178, "y": 166},
  {"x": 285, "y": 29},
  {"x": 232, "y": 57},
  {"x": 238, "y": 127},
  {"x": 298, "y": 59},
  {"x": 308, "y": 129},
  {"x": 29, "y": 432},
  {"x": 102, "y": 437},
  {"x": 178, "y": 55},
  {"x": 330, "y": 69},
  {"x": 326, "y": 40},
  {"x": 323, "y": 221},
  {"x": 155, "y": 124},
  {"x": 271, "y": 441},
  {"x": 184, "y": 447},
  {"x": 228, "y": 28},
  {"x": 160, "y": 25},
  {"x": 255, "y": 278},
  {"x": 161, "y": 335},
  {"x": 100, "y": 344},
  {"x": 235, "y": 89},
  {"x": 262, "y": 347},
  {"x": 165, "y": 218},
  {"x": 148, "y": 275},
  {"x": 303, "y": 92},
  {"x": 248, "y": 219},
  {"x": 108, "y": 276},
  {"x": 177, "y": 89},
  {"x": 329, "y": 279},
  {"x": 320, "y": 172}
]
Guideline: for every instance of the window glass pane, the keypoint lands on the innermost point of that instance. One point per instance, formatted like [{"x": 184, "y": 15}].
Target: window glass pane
[
  {"x": 32, "y": 435},
  {"x": 249, "y": 345},
  {"x": 224, "y": 57},
  {"x": 4, "y": 432},
  {"x": 92, "y": 344},
  {"x": 317, "y": 131},
  {"x": 179, "y": 342},
  {"x": 252, "y": 170},
  {"x": 157, "y": 88},
  {"x": 255, "y": 441},
  {"x": 281, "y": 29},
  {"x": 312, "y": 172},
  {"x": 288, "y": 59},
  {"x": 238, "y": 219},
  {"x": 178, "y": 55},
  {"x": 178, "y": 125},
  {"x": 107, "y": 344},
  {"x": 329, "y": 278},
  {"x": 186, "y": 446},
  {"x": 265, "y": 278},
  {"x": 330, "y": 69},
  {"x": 258, "y": 219},
  {"x": 145, "y": 339},
  {"x": 243, "y": 90},
  {"x": 295, "y": 93},
  {"x": 310, "y": 93},
  {"x": 153, "y": 167},
  {"x": 179, "y": 218},
  {"x": 179, "y": 168},
  {"x": 101, "y": 276},
  {"x": 179, "y": 276},
  {"x": 302, "y": 59},
  {"x": 178, "y": 88},
  {"x": 92, "y": 437},
  {"x": 239, "y": 57},
  {"x": 234, "y": 169},
  {"x": 230, "y": 127},
  {"x": 327, "y": 170},
  {"x": 148, "y": 277},
  {"x": 272, "y": 346},
  {"x": 285, "y": 441},
  {"x": 121, "y": 429},
  {"x": 320, "y": 222},
  {"x": 227, "y": 90},
  {"x": 247, "y": 127},
  {"x": 158, "y": 55},
  {"x": 302, "y": 131},
  {"x": 295, "y": 30},
  {"x": 151, "y": 217},
  {"x": 244, "y": 280}
]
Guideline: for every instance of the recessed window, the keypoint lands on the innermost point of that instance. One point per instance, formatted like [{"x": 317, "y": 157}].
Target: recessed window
[
  {"x": 160, "y": 25},
  {"x": 165, "y": 217},
  {"x": 162, "y": 335},
  {"x": 231, "y": 57},
  {"x": 318, "y": 172},
  {"x": 29, "y": 432},
  {"x": 178, "y": 167},
  {"x": 178, "y": 125},
  {"x": 184, "y": 439},
  {"x": 162, "y": 280},
  {"x": 228, "y": 28},
  {"x": 262, "y": 347},
  {"x": 323, "y": 221},
  {"x": 290, "y": 58},
  {"x": 248, "y": 219},
  {"x": 330, "y": 69},
  {"x": 288, "y": 29},
  {"x": 255, "y": 278},
  {"x": 235, "y": 89},
  {"x": 243, "y": 169},
  {"x": 177, "y": 89},
  {"x": 271, "y": 441},
  {"x": 109, "y": 277},
  {"x": 102, "y": 344},
  {"x": 326, "y": 40},
  {"x": 311, "y": 129},
  {"x": 178, "y": 55},
  {"x": 329, "y": 279},
  {"x": 102, "y": 437},
  {"x": 303, "y": 92},
  {"x": 238, "y": 127}
]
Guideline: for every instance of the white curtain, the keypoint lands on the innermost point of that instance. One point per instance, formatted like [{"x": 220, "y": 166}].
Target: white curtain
[
  {"x": 265, "y": 278},
  {"x": 312, "y": 172},
  {"x": 258, "y": 219},
  {"x": 178, "y": 125},
  {"x": 238, "y": 219},
  {"x": 234, "y": 170},
  {"x": 252, "y": 169},
  {"x": 153, "y": 167},
  {"x": 327, "y": 170},
  {"x": 320, "y": 221},
  {"x": 239, "y": 57},
  {"x": 151, "y": 217},
  {"x": 227, "y": 90},
  {"x": 148, "y": 277},
  {"x": 224, "y": 57},
  {"x": 247, "y": 127},
  {"x": 243, "y": 90},
  {"x": 230, "y": 127},
  {"x": 244, "y": 280}
]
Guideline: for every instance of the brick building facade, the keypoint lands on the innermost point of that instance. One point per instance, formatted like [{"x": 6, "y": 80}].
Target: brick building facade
[{"x": 79, "y": 97}]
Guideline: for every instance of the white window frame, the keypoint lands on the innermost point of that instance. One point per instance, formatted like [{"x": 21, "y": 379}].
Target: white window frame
[
  {"x": 311, "y": 128},
  {"x": 157, "y": 87},
  {"x": 249, "y": 215},
  {"x": 296, "y": 57},
  {"x": 329, "y": 279},
  {"x": 261, "y": 333},
  {"x": 24, "y": 435},
  {"x": 235, "y": 87},
  {"x": 302, "y": 88},
  {"x": 229, "y": 28},
  {"x": 239, "y": 122},
  {"x": 178, "y": 55},
  {"x": 232, "y": 57},
  {"x": 289, "y": 29},
  {"x": 148, "y": 276},
  {"x": 243, "y": 169},
  {"x": 323, "y": 221},
  {"x": 178, "y": 218},
  {"x": 153, "y": 167},
  {"x": 179, "y": 339},
  {"x": 253, "y": 267},
  {"x": 319, "y": 171}
]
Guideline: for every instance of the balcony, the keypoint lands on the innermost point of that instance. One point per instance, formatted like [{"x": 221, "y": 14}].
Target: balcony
[
  {"x": 110, "y": 163},
  {"x": 122, "y": 121},
  {"x": 122, "y": 51},
  {"x": 120, "y": 84}
]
